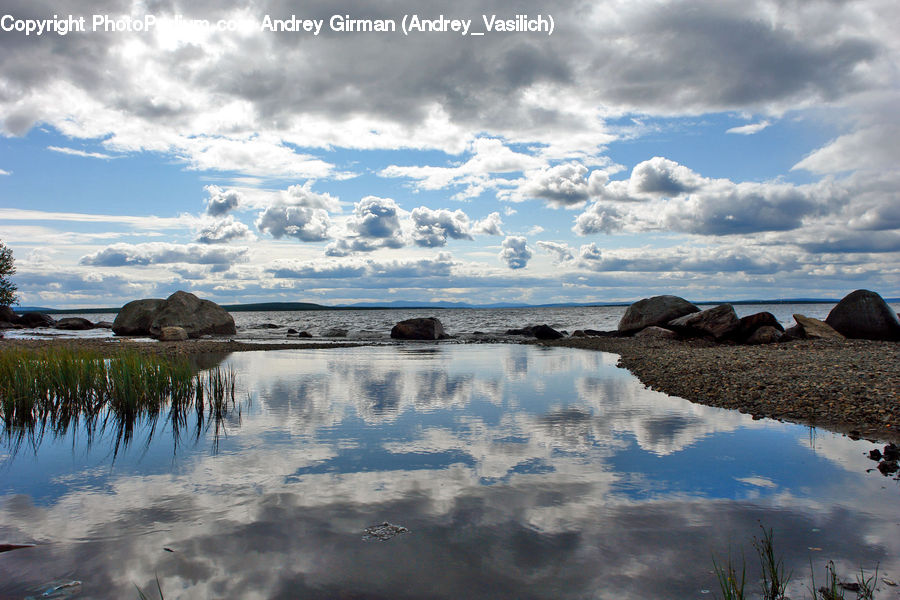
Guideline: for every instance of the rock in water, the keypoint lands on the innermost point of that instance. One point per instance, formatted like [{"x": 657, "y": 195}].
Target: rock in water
[
  {"x": 657, "y": 310},
  {"x": 719, "y": 322},
  {"x": 136, "y": 317},
  {"x": 173, "y": 334},
  {"x": 197, "y": 317},
  {"x": 36, "y": 319},
  {"x": 545, "y": 332},
  {"x": 74, "y": 324},
  {"x": 182, "y": 309},
  {"x": 864, "y": 315},
  {"x": 419, "y": 329},
  {"x": 816, "y": 329}
]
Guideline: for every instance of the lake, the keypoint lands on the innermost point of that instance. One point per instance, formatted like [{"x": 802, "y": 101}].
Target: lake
[{"x": 516, "y": 471}]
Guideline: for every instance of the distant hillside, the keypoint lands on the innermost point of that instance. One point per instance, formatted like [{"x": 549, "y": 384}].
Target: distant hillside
[{"x": 262, "y": 306}]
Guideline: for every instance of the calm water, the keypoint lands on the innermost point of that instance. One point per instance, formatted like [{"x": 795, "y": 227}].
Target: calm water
[
  {"x": 519, "y": 471},
  {"x": 466, "y": 324}
]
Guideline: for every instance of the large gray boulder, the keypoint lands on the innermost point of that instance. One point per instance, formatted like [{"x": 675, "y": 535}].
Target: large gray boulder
[
  {"x": 73, "y": 324},
  {"x": 751, "y": 323},
  {"x": 864, "y": 315},
  {"x": 658, "y": 310},
  {"x": 182, "y": 309},
  {"x": 428, "y": 328},
  {"x": 36, "y": 319},
  {"x": 136, "y": 317},
  {"x": 719, "y": 323},
  {"x": 172, "y": 334},
  {"x": 195, "y": 315},
  {"x": 766, "y": 334}
]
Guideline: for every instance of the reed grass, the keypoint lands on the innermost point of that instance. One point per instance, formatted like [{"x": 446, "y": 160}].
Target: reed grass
[{"x": 54, "y": 389}]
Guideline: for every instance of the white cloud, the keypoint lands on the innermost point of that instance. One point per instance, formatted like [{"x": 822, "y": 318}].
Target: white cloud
[
  {"x": 749, "y": 129},
  {"x": 490, "y": 225},
  {"x": 305, "y": 224},
  {"x": 119, "y": 255},
  {"x": 431, "y": 228},
  {"x": 3, "y": 172},
  {"x": 515, "y": 252},
  {"x": 221, "y": 201},
  {"x": 82, "y": 153},
  {"x": 220, "y": 231},
  {"x": 561, "y": 251}
]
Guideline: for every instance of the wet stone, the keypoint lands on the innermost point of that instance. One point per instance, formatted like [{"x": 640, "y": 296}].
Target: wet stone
[{"x": 383, "y": 532}]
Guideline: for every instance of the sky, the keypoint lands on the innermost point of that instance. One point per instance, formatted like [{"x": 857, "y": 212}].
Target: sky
[{"x": 714, "y": 150}]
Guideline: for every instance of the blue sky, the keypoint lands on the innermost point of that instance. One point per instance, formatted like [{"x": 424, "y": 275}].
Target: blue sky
[{"x": 707, "y": 149}]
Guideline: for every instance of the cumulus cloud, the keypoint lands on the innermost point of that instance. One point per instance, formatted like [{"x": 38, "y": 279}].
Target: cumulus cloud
[
  {"x": 303, "y": 195},
  {"x": 375, "y": 223},
  {"x": 221, "y": 231},
  {"x": 515, "y": 252},
  {"x": 152, "y": 253},
  {"x": 305, "y": 224},
  {"x": 715, "y": 259},
  {"x": 293, "y": 269},
  {"x": 561, "y": 251},
  {"x": 431, "y": 228},
  {"x": 490, "y": 225},
  {"x": 567, "y": 185},
  {"x": 221, "y": 201},
  {"x": 662, "y": 195}
]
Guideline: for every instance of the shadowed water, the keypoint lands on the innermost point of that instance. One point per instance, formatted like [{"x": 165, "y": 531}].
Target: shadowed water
[{"x": 519, "y": 471}]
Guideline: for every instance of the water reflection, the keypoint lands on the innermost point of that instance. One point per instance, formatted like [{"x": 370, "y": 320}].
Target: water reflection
[{"x": 521, "y": 472}]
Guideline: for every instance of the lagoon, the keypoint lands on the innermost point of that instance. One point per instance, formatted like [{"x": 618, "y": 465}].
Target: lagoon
[{"x": 518, "y": 471}]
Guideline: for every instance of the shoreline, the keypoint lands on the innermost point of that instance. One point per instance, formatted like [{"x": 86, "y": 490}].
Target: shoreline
[{"x": 846, "y": 386}]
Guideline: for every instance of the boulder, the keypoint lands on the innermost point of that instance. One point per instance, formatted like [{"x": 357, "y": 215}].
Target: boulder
[
  {"x": 718, "y": 322},
  {"x": 172, "y": 334},
  {"x": 428, "y": 328},
  {"x": 816, "y": 329},
  {"x": 658, "y": 310},
  {"x": 654, "y": 332},
  {"x": 545, "y": 332},
  {"x": 36, "y": 319},
  {"x": 304, "y": 334},
  {"x": 8, "y": 325},
  {"x": 74, "y": 324},
  {"x": 103, "y": 325},
  {"x": 751, "y": 323},
  {"x": 766, "y": 334},
  {"x": 8, "y": 315},
  {"x": 197, "y": 316},
  {"x": 338, "y": 333},
  {"x": 182, "y": 309},
  {"x": 864, "y": 315},
  {"x": 526, "y": 331},
  {"x": 136, "y": 317}
]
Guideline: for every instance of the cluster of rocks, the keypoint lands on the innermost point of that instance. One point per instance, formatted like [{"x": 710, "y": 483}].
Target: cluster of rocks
[
  {"x": 179, "y": 317},
  {"x": 36, "y": 320},
  {"x": 859, "y": 315},
  {"x": 888, "y": 459}
]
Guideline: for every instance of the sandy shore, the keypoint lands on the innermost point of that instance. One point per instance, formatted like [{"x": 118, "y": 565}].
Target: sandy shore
[{"x": 849, "y": 386}]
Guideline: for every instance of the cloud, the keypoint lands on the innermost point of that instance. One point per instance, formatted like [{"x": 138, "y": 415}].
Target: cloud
[
  {"x": 515, "y": 252},
  {"x": 869, "y": 149},
  {"x": 490, "y": 225},
  {"x": 292, "y": 269},
  {"x": 722, "y": 259},
  {"x": 375, "y": 223},
  {"x": 305, "y": 224},
  {"x": 221, "y": 201},
  {"x": 599, "y": 218},
  {"x": 82, "y": 153},
  {"x": 749, "y": 129},
  {"x": 438, "y": 266},
  {"x": 561, "y": 251},
  {"x": 302, "y": 195},
  {"x": 152, "y": 253},
  {"x": 223, "y": 230},
  {"x": 564, "y": 185},
  {"x": 3, "y": 172},
  {"x": 660, "y": 176},
  {"x": 431, "y": 228}
]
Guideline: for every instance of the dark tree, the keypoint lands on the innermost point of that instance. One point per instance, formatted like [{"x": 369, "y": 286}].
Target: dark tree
[{"x": 7, "y": 268}]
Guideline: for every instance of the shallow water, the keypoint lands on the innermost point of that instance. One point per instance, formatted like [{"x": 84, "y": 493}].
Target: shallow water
[{"x": 519, "y": 471}]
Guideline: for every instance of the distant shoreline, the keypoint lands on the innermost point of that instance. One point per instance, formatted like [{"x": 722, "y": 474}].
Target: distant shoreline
[{"x": 309, "y": 306}]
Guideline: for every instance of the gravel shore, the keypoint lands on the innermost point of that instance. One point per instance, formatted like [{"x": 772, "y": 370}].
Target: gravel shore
[{"x": 849, "y": 386}]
